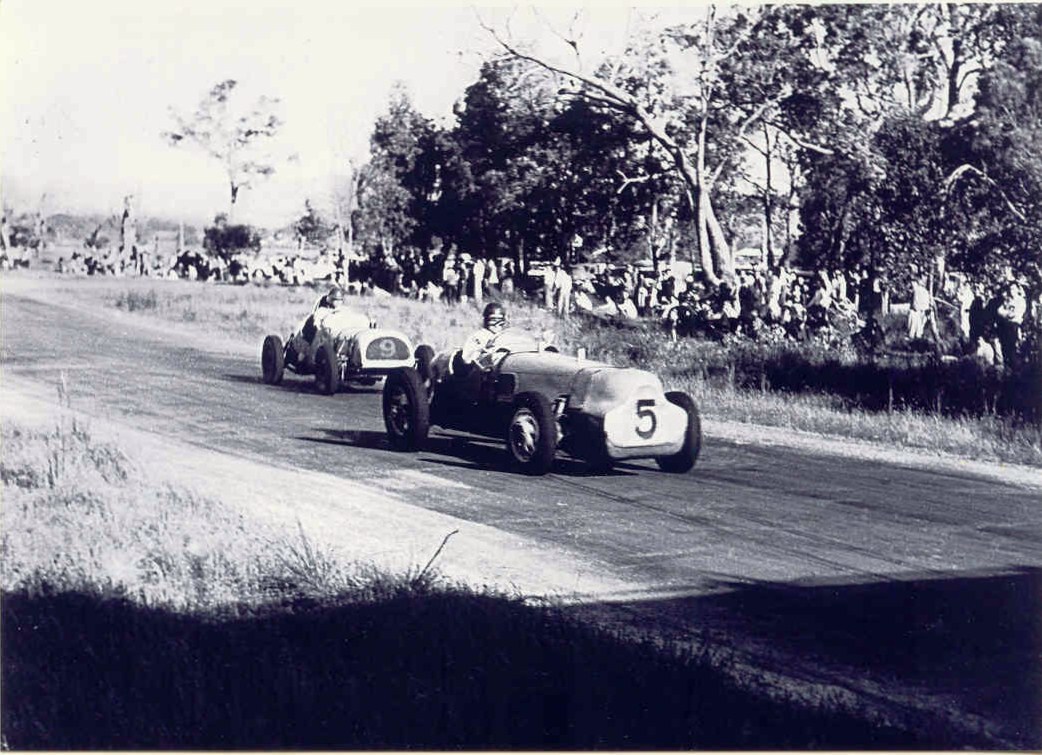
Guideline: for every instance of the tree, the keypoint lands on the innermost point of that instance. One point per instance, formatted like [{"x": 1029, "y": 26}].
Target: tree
[
  {"x": 996, "y": 158},
  {"x": 396, "y": 195},
  {"x": 311, "y": 227},
  {"x": 225, "y": 239},
  {"x": 237, "y": 137},
  {"x": 695, "y": 90}
]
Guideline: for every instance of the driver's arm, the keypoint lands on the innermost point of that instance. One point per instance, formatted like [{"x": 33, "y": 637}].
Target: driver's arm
[{"x": 474, "y": 347}]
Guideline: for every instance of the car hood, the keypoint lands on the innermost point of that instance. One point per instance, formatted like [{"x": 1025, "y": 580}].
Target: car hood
[
  {"x": 343, "y": 322},
  {"x": 592, "y": 387}
]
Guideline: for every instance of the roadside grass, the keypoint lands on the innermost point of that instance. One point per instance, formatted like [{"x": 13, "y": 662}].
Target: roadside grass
[
  {"x": 953, "y": 409},
  {"x": 137, "y": 616}
]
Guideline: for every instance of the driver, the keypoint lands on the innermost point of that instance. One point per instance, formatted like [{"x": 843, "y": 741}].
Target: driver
[
  {"x": 330, "y": 301},
  {"x": 481, "y": 345},
  {"x": 301, "y": 346}
]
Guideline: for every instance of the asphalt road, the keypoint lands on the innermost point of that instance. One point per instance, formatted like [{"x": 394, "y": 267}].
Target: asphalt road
[{"x": 906, "y": 588}]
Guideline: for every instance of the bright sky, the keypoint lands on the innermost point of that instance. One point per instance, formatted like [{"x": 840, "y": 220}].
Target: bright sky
[{"x": 87, "y": 88}]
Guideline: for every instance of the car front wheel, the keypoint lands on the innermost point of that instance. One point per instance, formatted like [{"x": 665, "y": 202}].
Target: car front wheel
[
  {"x": 272, "y": 360},
  {"x": 532, "y": 434},
  {"x": 327, "y": 378},
  {"x": 684, "y": 459},
  {"x": 406, "y": 411}
]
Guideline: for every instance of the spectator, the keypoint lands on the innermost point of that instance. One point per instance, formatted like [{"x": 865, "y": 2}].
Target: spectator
[
  {"x": 729, "y": 307},
  {"x": 1010, "y": 318},
  {"x": 964, "y": 297},
  {"x": 984, "y": 352},
  {"x": 549, "y": 273},
  {"x": 920, "y": 308},
  {"x": 627, "y": 309},
  {"x": 820, "y": 303},
  {"x": 506, "y": 278},
  {"x": 450, "y": 279},
  {"x": 492, "y": 276},
  {"x": 478, "y": 273},
  {"x": 562, "y": 286}
]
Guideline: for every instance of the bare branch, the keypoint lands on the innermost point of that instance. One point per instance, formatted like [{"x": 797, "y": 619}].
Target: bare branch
[
  {"x": 962, "y": 170},
  {"x": 610, "y": 91},
  {"x": 418, "y": 579}
]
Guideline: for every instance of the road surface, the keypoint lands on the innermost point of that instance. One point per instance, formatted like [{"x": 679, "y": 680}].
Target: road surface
[{"x": 905, "y": 588}]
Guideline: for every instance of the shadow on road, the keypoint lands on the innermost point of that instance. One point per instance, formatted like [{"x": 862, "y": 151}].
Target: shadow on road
[
  {"x": 975, "y": 639},
  {"x": 454, "y": 670},
  {"x": 464, "y": 452}
]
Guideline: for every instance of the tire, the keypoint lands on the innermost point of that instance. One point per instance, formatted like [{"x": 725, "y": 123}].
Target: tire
[
  {"x": 684, "y": 459},
  {"x": 406, "y": 411},
  {"x": 327, "y": 377},
  {"x": 272, "y": 364},
  {"x": 424, "y": 356},
  {"x": 532, "y": 434}
]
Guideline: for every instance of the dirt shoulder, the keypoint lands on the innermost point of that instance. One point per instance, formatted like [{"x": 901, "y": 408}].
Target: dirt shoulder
[{"x": 360, "y": 523}]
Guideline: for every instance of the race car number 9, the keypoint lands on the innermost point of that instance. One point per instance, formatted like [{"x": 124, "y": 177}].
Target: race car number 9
[{"x": 646, "y": 419}]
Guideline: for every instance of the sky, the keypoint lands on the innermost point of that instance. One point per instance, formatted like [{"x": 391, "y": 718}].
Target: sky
[{"x": 86, "y": 90}]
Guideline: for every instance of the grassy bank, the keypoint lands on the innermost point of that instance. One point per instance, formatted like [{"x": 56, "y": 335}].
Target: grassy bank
[
  {"x": 916, "y": 404},
  {"x": 138, "y": 616}
]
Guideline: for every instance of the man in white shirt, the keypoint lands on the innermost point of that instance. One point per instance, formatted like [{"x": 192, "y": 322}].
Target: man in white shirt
[
  {"x": 562, "y": 283},
  {"x": 919, "y": 309},
  {"x": 481, "y": 344},
  {"x": 1010, "y": 319}
]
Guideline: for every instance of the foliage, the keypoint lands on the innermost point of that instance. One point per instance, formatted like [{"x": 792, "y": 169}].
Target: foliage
[
  {"x": 231, "y": 133},
  {"x": 896, "y": 134},
  {"x": 997, "y": 159},
  {"x": 225, "y": 239},
  {"x": 311, "y": 226},
  {"x": 395, "y": 194}
]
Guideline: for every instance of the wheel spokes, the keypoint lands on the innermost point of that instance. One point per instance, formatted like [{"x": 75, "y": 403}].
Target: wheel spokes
[{"x": 524, "y": 435}]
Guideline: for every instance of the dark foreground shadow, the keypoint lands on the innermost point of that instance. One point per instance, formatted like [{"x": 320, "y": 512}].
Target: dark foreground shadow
[
  {"x": 421, "y": 670},
  {"x": 465, "y": 452}
]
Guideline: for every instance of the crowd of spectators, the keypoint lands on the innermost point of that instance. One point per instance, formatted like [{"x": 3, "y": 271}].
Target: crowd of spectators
[{"x": 941, "y": 310}]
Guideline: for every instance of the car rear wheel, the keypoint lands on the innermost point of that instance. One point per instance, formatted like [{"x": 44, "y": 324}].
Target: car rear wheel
[
  {"x": 272, "y": 364},
  {"x": 406, "y": 411},
  {"x": 532, "y": 434},
  {"x": 327, "y": 378},
  {"x": 684, "y": 459}
]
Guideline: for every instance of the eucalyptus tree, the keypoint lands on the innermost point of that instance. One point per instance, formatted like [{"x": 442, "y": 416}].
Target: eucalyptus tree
[
  {"x": 912, "y": 78},
  {"x": 395, "y": 193},
  {"x": 696, "y": 90},
  {"x": 237, "y": 134},
  {"x": 996, "y": 156}
]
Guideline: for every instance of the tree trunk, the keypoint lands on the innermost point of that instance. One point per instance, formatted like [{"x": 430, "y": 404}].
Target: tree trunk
[
  {"x": 652, "y": 227},
  {"x": 768, "y": 210}
]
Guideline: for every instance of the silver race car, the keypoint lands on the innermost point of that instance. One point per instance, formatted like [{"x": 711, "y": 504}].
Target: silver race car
[
  {"x": 337, "y": 345},
  {"x": 539, "y": 402}
]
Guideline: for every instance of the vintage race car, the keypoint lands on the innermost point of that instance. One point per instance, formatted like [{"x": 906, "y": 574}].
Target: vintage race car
[
  {"x": 337, "y": 346},
  {"x": 539, "y": 402}
]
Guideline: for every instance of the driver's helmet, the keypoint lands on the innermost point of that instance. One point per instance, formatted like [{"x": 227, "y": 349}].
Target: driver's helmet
[
  {"x": 494, "y": 317},
  {"x": 335, "y": 297}
]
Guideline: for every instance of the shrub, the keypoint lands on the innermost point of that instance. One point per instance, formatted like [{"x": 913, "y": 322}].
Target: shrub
[{"x": 224, "y": 240}]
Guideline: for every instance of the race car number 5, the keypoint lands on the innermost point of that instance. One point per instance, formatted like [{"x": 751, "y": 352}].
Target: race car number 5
[{"x": 646, "y": 419}]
